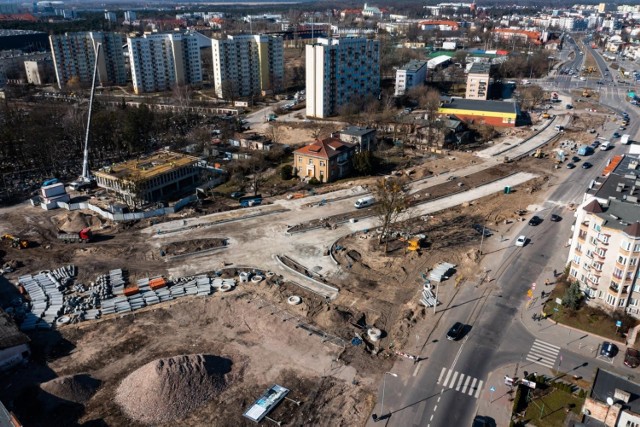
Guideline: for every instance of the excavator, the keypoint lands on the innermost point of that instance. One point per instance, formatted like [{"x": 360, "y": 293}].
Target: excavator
[{"x": 16, "y": 242}]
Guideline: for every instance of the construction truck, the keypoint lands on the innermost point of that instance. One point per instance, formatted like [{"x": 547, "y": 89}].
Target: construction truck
[
  {"x": 586, "y": 93},
  {"x": 539, "y": 154},
  {"x": 83, "y": 236},
  {"x": 16, "y": 242}
]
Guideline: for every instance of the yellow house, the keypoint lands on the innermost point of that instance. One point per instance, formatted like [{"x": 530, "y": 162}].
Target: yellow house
[{"x": 325, "y": 160}]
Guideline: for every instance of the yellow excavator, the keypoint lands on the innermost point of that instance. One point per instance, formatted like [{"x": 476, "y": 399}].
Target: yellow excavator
[{"x": 16, "y": 242}]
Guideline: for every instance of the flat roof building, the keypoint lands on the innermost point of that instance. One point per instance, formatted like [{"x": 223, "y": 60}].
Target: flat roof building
[
  {"x": 412, "y": 74},
  {"x": 494, "y": 113},
  {"x": 478, "y": 81},
  {"x": 158, "y": 177}
]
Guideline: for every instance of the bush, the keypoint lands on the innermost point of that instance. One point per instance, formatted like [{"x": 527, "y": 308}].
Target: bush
[
  {"x": 572, "y": 297},
  {"x": 314, "y": 181},
  {"x": 286, "y": 172}
]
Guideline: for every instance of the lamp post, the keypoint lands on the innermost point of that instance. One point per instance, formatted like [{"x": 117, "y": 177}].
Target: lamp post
[{"x": 384, "y": 378}]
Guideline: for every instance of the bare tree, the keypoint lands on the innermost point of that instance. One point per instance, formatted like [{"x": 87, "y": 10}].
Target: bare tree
[
  {"x": 182, "y": 95},
  {"x": 391, "y": 202},
  {"x": 530, "y": 96}
]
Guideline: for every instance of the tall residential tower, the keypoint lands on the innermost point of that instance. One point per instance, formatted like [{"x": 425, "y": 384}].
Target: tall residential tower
[{"x": 339, "y": 71}]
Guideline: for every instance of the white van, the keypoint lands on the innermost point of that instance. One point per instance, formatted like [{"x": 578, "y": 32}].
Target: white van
[
  {"x": 605, "y": 146},
  {"x": 364, "y": 202}
]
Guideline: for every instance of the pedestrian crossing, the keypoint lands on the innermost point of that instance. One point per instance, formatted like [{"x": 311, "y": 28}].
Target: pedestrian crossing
[
  {"x": 543, "y": 353},
  {"x": 458, "y": 381}
]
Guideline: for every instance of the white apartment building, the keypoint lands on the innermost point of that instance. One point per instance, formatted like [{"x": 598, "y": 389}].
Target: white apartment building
[
  {"x": 478, "y": 81},
  {"x": 248, "y": 65},
  {"x": 338, "y": 71},
  {"x": 605, "y": 247},
  {"x": 162, "y": 60},
  {"x": 410, "y": 75},
  {"x": 74, "y": 56},
  {"x": 129, "y": 16}
]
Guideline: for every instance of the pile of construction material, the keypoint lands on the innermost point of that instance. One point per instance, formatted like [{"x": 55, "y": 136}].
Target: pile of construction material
[
  {"x": 441, "y": 272},
  {"x": 166, "y": 390},
  {"x": 71, "y": 388},
  {"x": 50, "y": 195},
  {"x": 427, "y": 298}
]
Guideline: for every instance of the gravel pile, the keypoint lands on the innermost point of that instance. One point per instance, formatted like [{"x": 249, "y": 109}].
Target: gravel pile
[
  {"x": 169, "y": 389},
  {"x": 74, "y": 388}
]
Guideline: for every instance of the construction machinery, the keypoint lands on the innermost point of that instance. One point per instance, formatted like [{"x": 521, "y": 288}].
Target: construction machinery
[
  {"x": 539, "y": 154},
  {"x": 84, "y": 236},
  {"x": 16, "y": 242},
  {"x": 586, "y": 93}
]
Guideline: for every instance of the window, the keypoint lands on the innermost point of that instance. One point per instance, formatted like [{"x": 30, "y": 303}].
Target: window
[
  {"x": 633, "y": 261},
  {"x": 310, "y": 161},
  {"x": 611, "y": 300},
  {"x": 633, "y": 302},
  {"x": 596, "y": 227},
  {"x": 621, "y": 302},
  {"x": 617, "y": 273},
  {"x": 636, "y": 247},
  {"x": 574, "y": 272},
  {"x": 625, "y": 245},
  {"x": 622, "y": 260}
]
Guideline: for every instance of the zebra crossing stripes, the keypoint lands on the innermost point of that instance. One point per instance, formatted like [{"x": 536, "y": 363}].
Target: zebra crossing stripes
[
  {"x": 460, "y": 382},
  {"x": 543, "y": 353}
]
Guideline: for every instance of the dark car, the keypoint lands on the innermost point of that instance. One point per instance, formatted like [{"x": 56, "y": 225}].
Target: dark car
[
  {"x": 575, "y": 159},
  {"x": 556, "y": 218},
  {"x": 535, "y": 220},
  {"x": 236, "y": 194},
  {"x": 632, "y": 357},
  {"x": 455, "y": 331},
  {"x": 570, "y": 166},
  {"x": 596, "y": 143},
  {"x": 586, "y": 165},
  {"x": 616, "y": 135},
  {"x": 608, "y": 349},
  {"x": 482, "y": 230}
]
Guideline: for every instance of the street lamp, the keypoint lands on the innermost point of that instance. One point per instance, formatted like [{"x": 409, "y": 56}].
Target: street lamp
[{"x": 384, "y": 378}]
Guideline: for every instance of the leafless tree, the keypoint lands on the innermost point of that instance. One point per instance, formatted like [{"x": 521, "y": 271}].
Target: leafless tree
[{"x": 391, "y": 202}]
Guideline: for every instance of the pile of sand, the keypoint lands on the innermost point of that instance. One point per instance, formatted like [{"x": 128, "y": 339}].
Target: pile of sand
[
  {"x": 73, "y": 388},
  {"x": 169, "y": 389},
  {"x": 74, "y": 221}
]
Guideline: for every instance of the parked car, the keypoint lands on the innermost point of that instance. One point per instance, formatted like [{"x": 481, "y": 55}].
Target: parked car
[
  {"x": 632, "y": 357},
  {"x": 608, "y": 349},
  {"x": 535, "y": 220},
  {"x": 482, "y": 230},
  {"x": 455, "y": 331},
  {"x": 236, "y": 194},
  {"x": 586, "y": 165},
  {"x": 521, "y": 241},
  {"x": 555, "y": 218},
  {"x": 575, "y": 159},
  {"x": 570, "y": 166},
  {"x": 616, "y": 135}
]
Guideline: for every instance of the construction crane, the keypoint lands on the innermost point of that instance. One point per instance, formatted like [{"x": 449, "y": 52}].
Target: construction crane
[
  {"x": 16, "y": 242},
  {"x": 86, "y": 180}
]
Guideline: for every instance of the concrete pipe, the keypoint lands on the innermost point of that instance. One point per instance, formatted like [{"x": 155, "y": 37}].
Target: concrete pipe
[
  {"x": 225, "y": 287},
  {"x": 257, "y": 279},
  {"x": 294, "y": 300},
  {"x": 63, "y": 320},
  {"x": 374, "y": 334}
]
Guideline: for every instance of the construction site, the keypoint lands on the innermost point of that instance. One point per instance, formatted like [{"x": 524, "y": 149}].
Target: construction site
[{"x": 192, "y": 318}]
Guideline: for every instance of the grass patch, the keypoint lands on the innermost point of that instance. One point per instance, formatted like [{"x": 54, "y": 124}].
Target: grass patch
[
  {"x": 555, "y": 408},
  {"x": 587, "y": 318}
]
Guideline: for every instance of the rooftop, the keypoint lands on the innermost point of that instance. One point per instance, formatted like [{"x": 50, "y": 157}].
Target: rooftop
[
  {"x": 605, "y": 385},
  {"x": 10, "y": 32},
  {"x": 326, "y": 149},
  {"x": 148, "y": 167},
  {"x": 480, "y": 68},
  {"x": 479, "y": 105},
  {"x": 413, "y": 65},
  {"x": 622, "y": 182},
  {"x": 356, "y": 131},
  {"x": 10, "y": 335},
  {"x": 620, "y": 215}
]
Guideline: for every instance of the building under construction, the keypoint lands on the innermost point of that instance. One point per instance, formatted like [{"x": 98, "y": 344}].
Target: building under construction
[{"x": 159, "y": 177}]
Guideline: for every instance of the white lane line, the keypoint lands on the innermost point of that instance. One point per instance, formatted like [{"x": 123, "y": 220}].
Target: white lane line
[
  {"x": 547, "y": 344},
  {"x": 439, "y": 397},
  {"x": 460, "y": 382},
  {"x": 441, "y": 374},
  {"x": 471, "y": 387},
  {"x": 540, "y": 362},
  {"x": 415, "y": 371},
  {"x": 549, "y": 351},
  {"x": 466, "y": 383},
  {"x": 479, "y": 389},
  {"x": 453, "y": 380},
  {"x": 446, "y": 380},
  {"x": 431, "y": 419},
  {"x": 459, "y": 352},
  {"x": 435, "y": 408}
]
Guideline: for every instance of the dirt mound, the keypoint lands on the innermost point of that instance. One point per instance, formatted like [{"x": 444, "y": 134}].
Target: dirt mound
[
  {"x": 73, "y": 388},
  {"x": 75, "y": 221},
  {"x": 168, "y": 389}
]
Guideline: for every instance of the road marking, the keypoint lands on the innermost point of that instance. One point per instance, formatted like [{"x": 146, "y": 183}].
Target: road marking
[
  {"x": 473, "y": 383},
  {"x": 466, "y": 383},
  {"x": 459, "y": 352},
  {"x": 446, "y": 380},
  {"x": 460, "y": 382},
  {"x": 431, "y": 419},
  {"x": 415, "y": 371},
  {"x": 441, "y": 374},
  {"x": 543, "y": 353},
  {"x": 478, "y": 390},
  {"x": 439, "y": 397},
  {"x": 435, "y": 408},
  {"x": 453, "y": 379}
]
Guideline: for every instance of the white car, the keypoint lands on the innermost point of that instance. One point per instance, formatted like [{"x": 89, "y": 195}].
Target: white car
[{"x": 521, "y": 240}]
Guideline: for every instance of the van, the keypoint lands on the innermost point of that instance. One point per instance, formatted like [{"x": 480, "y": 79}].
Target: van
[
  {"x": 605, "y": 146},
  {"x": 364, "y": 202},
  {"x": 559, "y": 128}
]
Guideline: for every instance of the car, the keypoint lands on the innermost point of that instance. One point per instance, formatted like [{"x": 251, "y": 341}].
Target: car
[
  {"x": 582, "y": 79},
  {"x": 236, "y": 194},
  {"x": 555, "y": 218},
  {"x": 482, "y": 230},
  {"x": 616, "y": 135},
  {"x": 632, "y": 357},
  {"x": 535, "y": 220},
  {"x": 622, "y": 128},
  {"x": 595, "y": 143},
  {"x": 455, "y": 331},
  {"x": 608, "y": 349},
  {"x": 570, "y": 166},
  {"x": 575, "y": 159},
  {"x": 521, "y": 241},
  {"x": 586, "y": 165}
]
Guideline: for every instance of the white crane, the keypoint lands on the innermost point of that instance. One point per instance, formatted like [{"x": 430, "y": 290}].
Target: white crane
[{"x": 86, "y": 180}]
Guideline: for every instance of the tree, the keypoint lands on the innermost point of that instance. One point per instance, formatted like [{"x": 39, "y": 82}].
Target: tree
[
  {"x": 286, "y": 172},
  {"x": 572, "y": 296},
  {"x": 364, "y": 162},
  {"x": 391, "y": 202},
  {"x": 530, "y": 96}
]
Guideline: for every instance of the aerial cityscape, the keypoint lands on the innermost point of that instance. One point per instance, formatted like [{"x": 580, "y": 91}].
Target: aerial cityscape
[{"x": 318, "y": 213}]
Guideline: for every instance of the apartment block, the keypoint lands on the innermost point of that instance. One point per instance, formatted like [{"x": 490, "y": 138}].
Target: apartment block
[
  {"x": 160, "y": 61},
  {"x": 130, "y": 16},
  {"x": 74, "y": 57},
  {"x": 39, "y": 72},
  {"x": 410, "y": 75},
  {"x": 478, "y": 81},
  {"x": 605, "y": 246},
  {"x": 247, "y": 65},
  {"x": 338, "y": 71}
]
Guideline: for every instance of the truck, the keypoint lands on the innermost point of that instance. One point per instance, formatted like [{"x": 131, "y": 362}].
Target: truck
[
  {"x": 83, "y": 236},
  {"x": 625, "y": 139},
  {"x": 363, "y": 202},
  {"x": 605, "y": 146},
  {"x": 585, "y": 150},
  {"x": 248, "y": 201}
]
